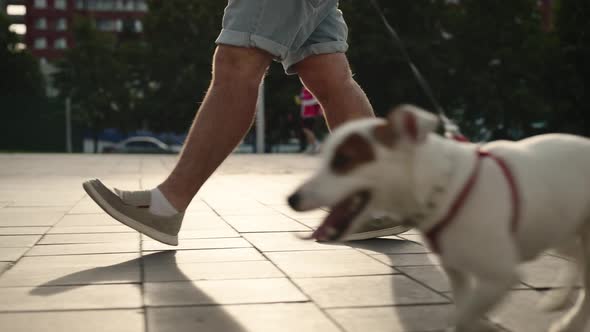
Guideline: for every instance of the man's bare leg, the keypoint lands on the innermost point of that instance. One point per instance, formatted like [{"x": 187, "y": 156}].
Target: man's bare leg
[
  {"x": 223, "y": 119},
  {"x": 328, "y": 77},
  {"x": 309, "y": 136}
]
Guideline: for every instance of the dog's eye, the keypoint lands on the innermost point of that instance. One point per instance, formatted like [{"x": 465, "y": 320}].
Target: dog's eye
[{"x": 340, "y": 161}]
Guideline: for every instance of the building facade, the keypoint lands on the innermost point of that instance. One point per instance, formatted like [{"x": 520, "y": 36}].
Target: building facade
[{"x": 48, "y": 22}]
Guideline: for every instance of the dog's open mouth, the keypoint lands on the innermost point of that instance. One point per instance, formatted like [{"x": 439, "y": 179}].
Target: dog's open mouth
[{"x": 341, "y": 215}]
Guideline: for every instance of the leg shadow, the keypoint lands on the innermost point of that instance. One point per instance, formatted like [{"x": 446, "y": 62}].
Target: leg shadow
[{"x": 208, "y": 317}]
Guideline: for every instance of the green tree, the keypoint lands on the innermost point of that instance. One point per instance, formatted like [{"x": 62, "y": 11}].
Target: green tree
[
  {"x": 180, "y": 37},
  {"x": 89, "y": 74},
  {"x": 20, "y": 70},
  {"x": 484, "y": 59},
  {"x": 499, "y": 57},
  {"x": 130, "y": 73},
  {"x": 569, "y": 79},
  {"x": 378, "y": 64},
  {"x": 29, "y": 121}
]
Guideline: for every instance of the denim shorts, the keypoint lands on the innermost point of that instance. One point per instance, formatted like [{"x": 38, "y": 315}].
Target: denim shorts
[{"x": 291, "y": 30}]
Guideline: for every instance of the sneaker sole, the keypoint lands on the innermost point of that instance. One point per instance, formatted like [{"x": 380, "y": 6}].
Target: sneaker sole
[
  {"x": 377, "y": 233},
  {"x": 120, "y": 217}
]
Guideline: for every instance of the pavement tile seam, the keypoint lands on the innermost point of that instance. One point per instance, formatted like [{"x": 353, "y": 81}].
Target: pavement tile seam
[
  {"x": 42, "y": 236},
  {"x": 267, "y": 232},
  {"x": 23, "y": 226},
  {"x": 71, "y": 244},
  {"x": 142, "y": 287},
  {"x": 77, "y": 243},
  {"x": 372, "y": 256},
  {"x": 4, "y": 267},
  {"x": 212, "y": 262},
  {"x": 181, "y": 249},
  {"x": 152, "y": 306},
  {"x": 74, "y": 285},
  {"x": 73, "y": 206},
  {"x": 68, "y": 310},
  {"x": 80, "y": 254},
  {"x": 299, "y": 288},
  {"x": 349, "y": 275},
  {"x": 288, "y": 216},
  {"x": 28, "y": 249},
  {"x": 23, "y": 243},
  {"x": 221, "y": 217},
  {"x": 311, "y": 249},
  {"x": 189, "y": 238},
  {"x": 392, "y": 306},
  {"x": 199, "y": 279},
  {"x": 142, "y": 311},
  {"x": 423, "y": 284}
]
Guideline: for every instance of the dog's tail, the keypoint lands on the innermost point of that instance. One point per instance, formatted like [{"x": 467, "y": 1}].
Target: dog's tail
[{"x": 559, "y": 298}]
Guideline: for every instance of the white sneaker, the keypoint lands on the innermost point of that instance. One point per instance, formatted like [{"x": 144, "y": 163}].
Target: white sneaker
[{"x": 377, "y": 227}]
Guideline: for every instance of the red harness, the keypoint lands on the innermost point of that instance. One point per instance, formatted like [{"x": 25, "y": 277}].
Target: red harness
[{"x": 433, "y": 234}]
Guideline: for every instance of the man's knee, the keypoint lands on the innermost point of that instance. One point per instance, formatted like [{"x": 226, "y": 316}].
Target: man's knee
[
  {"x": 239, "y": 65},
  {"x": 324, "y": 74}
]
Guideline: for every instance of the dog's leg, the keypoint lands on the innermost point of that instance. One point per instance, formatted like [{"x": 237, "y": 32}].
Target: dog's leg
[
  {"x": 577, "y": 318},
  {"x": 459, "y": 284},
  {"x": 558, "y": 298},
  {"x": 484, "y": 295}
]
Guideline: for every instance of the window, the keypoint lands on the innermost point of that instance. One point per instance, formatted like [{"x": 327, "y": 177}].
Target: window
[
  {"x": 60, "y": 43},
  {"x": 138, "y": 26},
  {"x": 80, "y": 4},
  {"x": 18, "y": 10},
  {"x": 119, "y": 25},
  {"x": 142, "y": 5},
  {"x": 61, "y": 24},
  {"x": 40, "y": 3},
  {"x": 129, "y": 6},
  {"x": 59, "y": 4},
  {"x": 41, "y": 23},
  {"x": 90, "y": 4},
  {"x": 19, "y": 29},
  {"x": 106, "y": 25},
  {"x": 40, "y": 43},
  {"x": 105, "y": 5}
]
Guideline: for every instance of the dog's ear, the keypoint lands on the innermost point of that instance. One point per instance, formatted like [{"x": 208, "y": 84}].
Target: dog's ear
[{"x": 412, "y": 123}]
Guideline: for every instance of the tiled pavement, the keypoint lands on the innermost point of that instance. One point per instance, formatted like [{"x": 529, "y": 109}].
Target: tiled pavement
[{"x": 66, "y": 266}]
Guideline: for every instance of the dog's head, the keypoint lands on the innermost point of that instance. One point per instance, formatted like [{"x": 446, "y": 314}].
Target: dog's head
[{"x": 365, "y": 170}]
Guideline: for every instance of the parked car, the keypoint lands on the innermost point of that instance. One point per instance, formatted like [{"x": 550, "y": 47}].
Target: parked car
[{"x": 142, "y": 144}]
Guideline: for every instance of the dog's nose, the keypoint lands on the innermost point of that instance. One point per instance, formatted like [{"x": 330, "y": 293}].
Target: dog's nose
[{"x": 294, "y": 200}]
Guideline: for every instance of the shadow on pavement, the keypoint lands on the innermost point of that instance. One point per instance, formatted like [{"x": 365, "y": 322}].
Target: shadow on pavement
[
  {"x": 165, "y": 260},
  {"x": 409, "y": 316}
]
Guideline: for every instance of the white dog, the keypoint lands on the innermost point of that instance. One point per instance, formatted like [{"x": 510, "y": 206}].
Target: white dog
[{"x": 484, "y": 209}]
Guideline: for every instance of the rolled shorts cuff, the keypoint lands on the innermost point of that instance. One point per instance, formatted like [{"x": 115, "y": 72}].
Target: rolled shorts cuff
[
  {"x": 315, "y": 49},
  {"x": 246, "y": 39}
]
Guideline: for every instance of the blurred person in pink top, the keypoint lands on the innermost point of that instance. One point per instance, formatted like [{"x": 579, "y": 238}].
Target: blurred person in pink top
[{"x": 310, "y": 111}]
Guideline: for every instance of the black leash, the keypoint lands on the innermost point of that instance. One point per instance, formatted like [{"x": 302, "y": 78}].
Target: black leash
[{"x": 451, "y": 129}]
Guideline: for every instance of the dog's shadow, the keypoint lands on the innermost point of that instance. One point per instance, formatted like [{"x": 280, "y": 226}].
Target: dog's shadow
[
  {"x": 423, "y": 273},
  {"x": 165, "y": 260}
]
